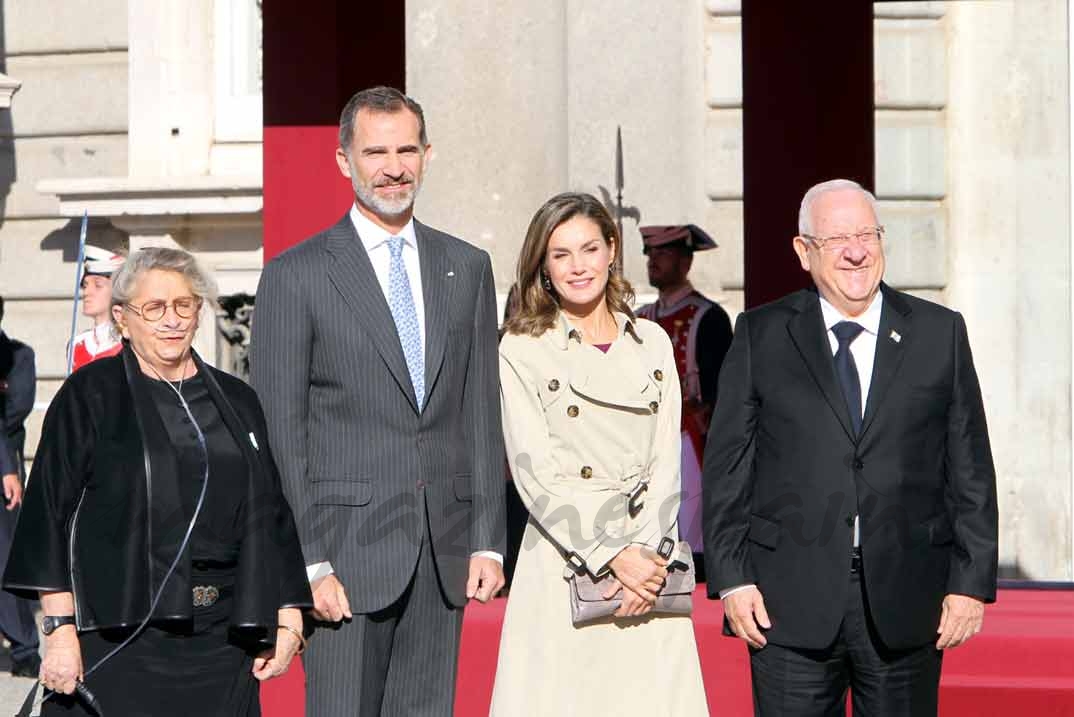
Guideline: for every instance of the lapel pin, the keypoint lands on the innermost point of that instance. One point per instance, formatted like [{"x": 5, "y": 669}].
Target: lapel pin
[
  {"x": 253, "y": 441},
  {"x": 451, "y": 273},
  {"x": 895, "y": 336}
]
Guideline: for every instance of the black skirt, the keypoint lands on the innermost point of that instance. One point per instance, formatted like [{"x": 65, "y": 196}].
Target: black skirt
[{"x": 173, "y": 668}]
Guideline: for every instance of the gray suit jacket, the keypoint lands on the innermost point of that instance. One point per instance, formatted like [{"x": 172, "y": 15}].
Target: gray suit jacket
[{"x": 362, "y": 467}]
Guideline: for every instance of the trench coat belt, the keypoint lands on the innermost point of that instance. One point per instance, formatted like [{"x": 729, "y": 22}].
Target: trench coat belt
[{"x": 630, "y": 482}]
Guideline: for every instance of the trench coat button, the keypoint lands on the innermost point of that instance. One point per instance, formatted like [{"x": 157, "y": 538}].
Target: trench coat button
[
  {"x": 653, "y": 406},
  {"x": 553, "y": 385},
  {"x": 850, "y": 521},
  {"x": 586, "y": 472},
  {"x": 658, "y": 375},
  {"x": 572, "y": 411}
]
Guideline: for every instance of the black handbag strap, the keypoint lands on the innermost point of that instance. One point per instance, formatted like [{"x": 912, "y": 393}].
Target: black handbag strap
[{"x": 28, "y": 704}]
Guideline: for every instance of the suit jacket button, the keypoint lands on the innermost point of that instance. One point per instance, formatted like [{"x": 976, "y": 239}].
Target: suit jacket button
[
  {"x": 658, "y": 375},
  {"x": 653, "y": 406},
  {"x": 858, "y": 465},
  {"x": 587, "y": 472},
  {"x": 553, "y": 385},
  {"x": 572, "y": 411}
]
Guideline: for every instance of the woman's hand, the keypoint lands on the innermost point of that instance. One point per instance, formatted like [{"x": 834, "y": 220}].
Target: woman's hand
[
  {"x": 641, "y": 571},
  {"x": 62, "y": 666},
  {"x": 633, "y": 605},
  {"x": 274, "y": 661}
]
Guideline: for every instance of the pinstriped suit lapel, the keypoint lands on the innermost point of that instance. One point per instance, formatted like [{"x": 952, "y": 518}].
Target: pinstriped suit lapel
[
  {"x": 437, "y": 288},
  {"x": 351, "y": 273}
]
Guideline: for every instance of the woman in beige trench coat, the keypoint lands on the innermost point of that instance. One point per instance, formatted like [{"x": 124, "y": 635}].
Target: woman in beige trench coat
[{"x": 591, "y": 408}]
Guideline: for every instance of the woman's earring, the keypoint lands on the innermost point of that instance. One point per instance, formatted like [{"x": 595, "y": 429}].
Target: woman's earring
[{"x": 546, "y": 282}]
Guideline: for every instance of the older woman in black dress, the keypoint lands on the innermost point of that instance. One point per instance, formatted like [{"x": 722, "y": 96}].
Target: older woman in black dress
[{"x": 153, "y": 527}]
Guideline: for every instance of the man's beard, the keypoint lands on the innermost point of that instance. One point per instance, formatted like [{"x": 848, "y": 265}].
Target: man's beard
[
  {"x": 383, "y": 206},
  {"x": 658, "y": 281}
]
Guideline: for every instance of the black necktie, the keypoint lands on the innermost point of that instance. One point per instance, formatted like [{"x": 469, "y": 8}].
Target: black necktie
[{"x": 847, "y": 371}]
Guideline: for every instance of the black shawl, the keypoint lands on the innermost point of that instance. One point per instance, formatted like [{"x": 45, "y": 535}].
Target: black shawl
[{"x": 102, "y": 515}]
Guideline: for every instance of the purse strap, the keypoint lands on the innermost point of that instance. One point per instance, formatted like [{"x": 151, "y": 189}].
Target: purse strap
[{"x": 28, "y": 703}]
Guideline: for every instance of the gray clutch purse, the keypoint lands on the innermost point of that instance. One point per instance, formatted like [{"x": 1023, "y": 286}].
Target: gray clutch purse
[{"x": 587, "y": 595}]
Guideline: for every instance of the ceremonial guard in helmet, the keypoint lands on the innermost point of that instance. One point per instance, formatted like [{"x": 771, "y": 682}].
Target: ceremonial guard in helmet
[
  {"x": 700, "y": 332},
  {"x": 102, "y": 340}
]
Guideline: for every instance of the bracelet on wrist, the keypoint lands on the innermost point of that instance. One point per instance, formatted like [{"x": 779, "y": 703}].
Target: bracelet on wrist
[{"x": 296, "y": 633}]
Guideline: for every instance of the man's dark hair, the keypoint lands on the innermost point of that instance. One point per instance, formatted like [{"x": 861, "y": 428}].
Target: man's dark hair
[{"x": 377, "y": 99}]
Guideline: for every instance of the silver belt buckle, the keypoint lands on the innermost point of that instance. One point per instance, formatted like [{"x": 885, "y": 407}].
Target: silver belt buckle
[{"x": 205, "y": 595}]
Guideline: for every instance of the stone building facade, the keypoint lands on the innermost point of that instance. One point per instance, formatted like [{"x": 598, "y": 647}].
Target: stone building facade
[{"x": 147, "y": 114}]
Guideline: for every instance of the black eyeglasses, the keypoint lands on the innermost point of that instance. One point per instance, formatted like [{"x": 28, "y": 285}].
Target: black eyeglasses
[{"x": 152, "y": 311}]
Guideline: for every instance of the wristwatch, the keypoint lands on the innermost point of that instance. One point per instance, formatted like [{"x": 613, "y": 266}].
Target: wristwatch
[{"x": 50, "y": 623}]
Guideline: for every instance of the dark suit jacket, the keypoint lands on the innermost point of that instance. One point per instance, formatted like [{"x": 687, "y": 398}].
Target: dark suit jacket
[
  {"x": 360, "y": 463},
  {"x": 18, "y": 387},
  {"x": 784, "y": 475}
]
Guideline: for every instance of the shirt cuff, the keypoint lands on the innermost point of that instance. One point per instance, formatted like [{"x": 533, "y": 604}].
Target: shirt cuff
[
  {"x": 319, "y": 570},
  {"x": 735, "y": 589},
  {"x": 488, "y": 554}
]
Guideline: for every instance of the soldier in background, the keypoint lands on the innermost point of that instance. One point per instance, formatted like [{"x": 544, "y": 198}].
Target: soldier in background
[
  {"x": 18, "y": 388},
  {"x": 700, "y": 332},
  {"x": 102, "y": 340}
]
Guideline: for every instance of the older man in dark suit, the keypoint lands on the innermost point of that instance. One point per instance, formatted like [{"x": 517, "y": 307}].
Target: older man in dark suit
[
  {"x": 850, "y": 499},
  {"x": 374, "y": 353}
]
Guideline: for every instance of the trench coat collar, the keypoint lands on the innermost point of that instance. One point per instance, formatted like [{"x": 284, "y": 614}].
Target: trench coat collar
[{"x": 564, "y": 333}]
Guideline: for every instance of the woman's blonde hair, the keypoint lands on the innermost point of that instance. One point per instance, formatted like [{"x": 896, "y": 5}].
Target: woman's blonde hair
[{"x": 538, "y": 304}]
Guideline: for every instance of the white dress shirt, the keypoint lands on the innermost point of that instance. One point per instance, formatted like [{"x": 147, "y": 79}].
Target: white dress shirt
[
  {"x": 863, "y": 349},
  {"x": 375, "y": 240}
]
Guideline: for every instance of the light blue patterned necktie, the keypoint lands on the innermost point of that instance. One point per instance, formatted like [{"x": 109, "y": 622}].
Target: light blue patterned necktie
[{"x": 401, "y": 303}]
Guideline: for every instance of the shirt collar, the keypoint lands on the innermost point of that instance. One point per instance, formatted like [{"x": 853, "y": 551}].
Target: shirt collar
[
  {"x": 373, "y": 235},
  {"x": 870, "y": 319},
  {"x": 565, "y": 333}
]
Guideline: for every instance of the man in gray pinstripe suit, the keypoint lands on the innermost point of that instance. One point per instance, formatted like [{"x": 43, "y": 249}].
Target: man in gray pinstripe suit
[{"x": 374, "y": 353}]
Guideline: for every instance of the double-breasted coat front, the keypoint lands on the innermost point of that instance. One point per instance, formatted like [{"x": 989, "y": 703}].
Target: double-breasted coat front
[{"x": 593, "y": 444}]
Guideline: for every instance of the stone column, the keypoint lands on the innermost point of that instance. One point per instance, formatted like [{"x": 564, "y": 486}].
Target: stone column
[
  {"x": 638, "y": 65},
  {"x": 491, "y": 78},
  {"x": 1009, "y": 244},
  {"x": 171, "y": 84}
]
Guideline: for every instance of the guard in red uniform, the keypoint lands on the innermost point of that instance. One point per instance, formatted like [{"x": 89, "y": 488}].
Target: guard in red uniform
[
  {"x": 102, "y": 340},
  {"x": 700, "y": 332}
]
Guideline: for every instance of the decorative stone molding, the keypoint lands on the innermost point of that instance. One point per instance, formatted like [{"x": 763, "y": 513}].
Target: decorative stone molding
[
  {"x": 233, "y": 321},
  {"x": 8, "y": 87},
  {"x": 164, "y": 204}
]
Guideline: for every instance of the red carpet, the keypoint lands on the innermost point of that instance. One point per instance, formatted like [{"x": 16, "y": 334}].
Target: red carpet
[{"x": 1021, "y": 664}]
